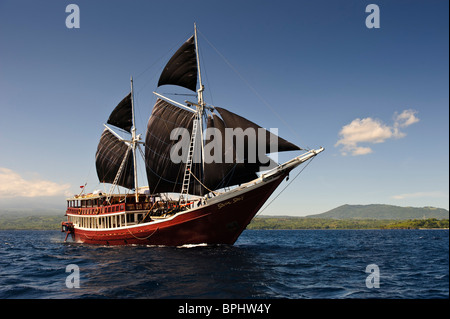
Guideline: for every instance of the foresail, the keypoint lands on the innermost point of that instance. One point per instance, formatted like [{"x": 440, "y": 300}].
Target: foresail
[
  {"x": 223, "y": 172},
  {"x": 121, "y": 116},
  {"x": 181, "y": 69},
  {"x": 273, "y": 143},
  {"x": 111, "y": 153}
]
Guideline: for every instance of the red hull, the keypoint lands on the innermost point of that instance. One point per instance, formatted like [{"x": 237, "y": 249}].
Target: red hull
[{"x": 218, "y": 223}]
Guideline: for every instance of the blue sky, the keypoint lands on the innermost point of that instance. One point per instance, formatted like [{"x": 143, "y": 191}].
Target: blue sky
[{"x": 376, "y": 99}]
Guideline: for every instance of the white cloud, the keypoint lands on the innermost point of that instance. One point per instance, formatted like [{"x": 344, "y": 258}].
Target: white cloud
[
  {"x": 420, "y": 195},
  {"x": 14, "y": 185},
  {"x": 368, "y": 130},
  {"x": 406, "y": 118}
]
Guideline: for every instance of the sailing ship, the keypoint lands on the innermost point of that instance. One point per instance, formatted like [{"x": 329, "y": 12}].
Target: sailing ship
[{"x": 194, "y": 200}]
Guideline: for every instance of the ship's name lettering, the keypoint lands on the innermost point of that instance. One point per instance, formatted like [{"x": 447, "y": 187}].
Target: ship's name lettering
[{"x": 235, "y": 200}]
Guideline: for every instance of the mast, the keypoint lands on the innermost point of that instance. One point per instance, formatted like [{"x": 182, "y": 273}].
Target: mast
[
  {"x": 201, "y": 88},
  {"x": 134, "y": 141},
  {"x": 201, "y": 102},
  {"x": 196, "y": 123}
]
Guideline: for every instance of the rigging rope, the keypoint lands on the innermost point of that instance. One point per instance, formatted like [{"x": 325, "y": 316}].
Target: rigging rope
[
  {"x": 251, "y": 87},
  {"x": 306, "y": 165},
  {"x": 215, "y": 193},
  {"x": 143, "y": 238}
]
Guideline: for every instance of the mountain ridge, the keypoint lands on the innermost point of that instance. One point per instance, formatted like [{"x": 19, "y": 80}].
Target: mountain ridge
[{"x": 382, "y": 211}]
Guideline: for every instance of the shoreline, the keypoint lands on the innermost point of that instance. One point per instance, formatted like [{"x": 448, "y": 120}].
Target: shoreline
[{"x": 40, "y": 222}]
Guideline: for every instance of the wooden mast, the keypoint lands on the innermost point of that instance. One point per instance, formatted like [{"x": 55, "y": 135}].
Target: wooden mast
[
  {"x": 201, "y": 102},
  {"x": 134, "y": 141},
  {"x": 197, "y": 125}
]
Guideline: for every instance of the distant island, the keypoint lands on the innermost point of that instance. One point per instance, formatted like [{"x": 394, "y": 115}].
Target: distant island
[
  {"x": 290, "y": 223},
  {"x": 379, "y": 211},
  {"x": 374, "y": 216}
]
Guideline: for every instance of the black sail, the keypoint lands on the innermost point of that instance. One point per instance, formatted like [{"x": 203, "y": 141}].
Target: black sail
[
  {"x": 111, "y": 152},
  {"x": 235, "y": 121},
  {"x": 163, "y": 174},
  {"x": 121, "y": 116},
  {"x": 181, "y": 69},
  {"x": 219, "y": 172},
  {"x": 222, "y": 172}
]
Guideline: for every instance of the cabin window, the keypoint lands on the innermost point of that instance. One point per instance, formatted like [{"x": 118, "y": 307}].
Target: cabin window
[{"x": 130, "y": 218}]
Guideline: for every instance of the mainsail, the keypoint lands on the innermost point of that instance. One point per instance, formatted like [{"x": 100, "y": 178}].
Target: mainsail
[{"x": 163, "y": 174}]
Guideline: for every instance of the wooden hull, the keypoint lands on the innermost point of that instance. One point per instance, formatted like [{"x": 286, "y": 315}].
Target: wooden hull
[{"x": 220, "y": 222}]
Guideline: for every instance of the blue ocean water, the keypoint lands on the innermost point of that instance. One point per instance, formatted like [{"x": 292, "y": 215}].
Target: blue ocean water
[{"x": 294, "y": 264}]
